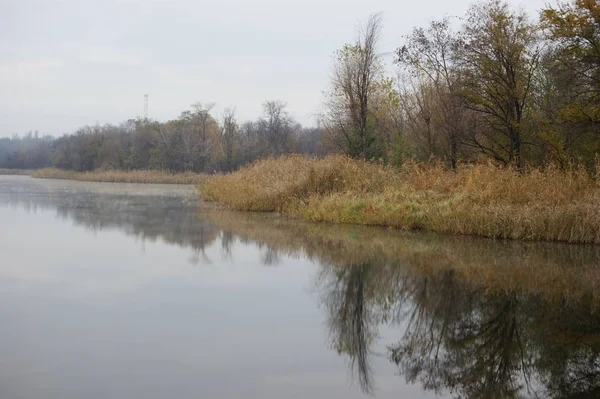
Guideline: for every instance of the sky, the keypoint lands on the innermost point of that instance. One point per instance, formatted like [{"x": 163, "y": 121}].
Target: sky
[{"x": 65, "y": 64}]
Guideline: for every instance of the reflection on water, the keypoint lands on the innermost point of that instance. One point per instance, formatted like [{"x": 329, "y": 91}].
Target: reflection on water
[
  {"x": 461, "y": 338},
  {"x": 474, "y": 317},
  {"x": 130, "y": 208},
  {"x": 454, "y": 316}
]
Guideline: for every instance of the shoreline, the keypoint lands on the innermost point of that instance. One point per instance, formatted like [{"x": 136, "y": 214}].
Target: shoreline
[
  {"x": 111, "y": 176},
  {"x": 480, "y": 200}
]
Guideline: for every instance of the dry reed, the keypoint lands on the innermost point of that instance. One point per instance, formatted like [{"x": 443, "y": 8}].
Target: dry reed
[{"x": 482, "y": 200}]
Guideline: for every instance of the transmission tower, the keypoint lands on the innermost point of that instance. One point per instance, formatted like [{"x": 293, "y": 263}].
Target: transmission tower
[{"x": 145, "y": 106}]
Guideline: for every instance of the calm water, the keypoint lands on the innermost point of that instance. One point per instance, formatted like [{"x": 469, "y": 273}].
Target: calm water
[{"x": 138, "y": 291}]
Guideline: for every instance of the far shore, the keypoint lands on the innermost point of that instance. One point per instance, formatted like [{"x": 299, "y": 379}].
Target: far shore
[{"x": 112, "y": 176}]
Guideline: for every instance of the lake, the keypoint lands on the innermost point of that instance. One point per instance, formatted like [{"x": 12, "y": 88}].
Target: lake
[{"x": 141, "y": 291}]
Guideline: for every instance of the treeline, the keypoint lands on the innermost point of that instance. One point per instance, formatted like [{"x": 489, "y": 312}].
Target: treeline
[
  {"x": 517, "y": 89},
  {"x": 505, "y": 86},
  {"x": 28, "y": 152},
  {"x": 197, "y": 141}
]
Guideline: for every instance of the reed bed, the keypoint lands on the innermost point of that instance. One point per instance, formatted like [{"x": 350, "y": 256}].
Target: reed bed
[
  {"x": 483, "y": 200},
  {"x": 118, "y": 176}
]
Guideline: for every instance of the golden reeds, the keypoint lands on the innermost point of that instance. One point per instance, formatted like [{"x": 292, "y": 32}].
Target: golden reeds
[{"x": 482, "y": 200}]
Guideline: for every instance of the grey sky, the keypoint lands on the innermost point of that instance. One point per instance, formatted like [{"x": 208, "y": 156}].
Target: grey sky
[{"x": 67, "y": 63}]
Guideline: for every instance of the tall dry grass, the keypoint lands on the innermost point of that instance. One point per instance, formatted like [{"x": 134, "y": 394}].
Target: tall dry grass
[
  {"x": 482, "y": 200},
  {"x": 119, "y": 176},
  {"x": 274, "y": 184}
]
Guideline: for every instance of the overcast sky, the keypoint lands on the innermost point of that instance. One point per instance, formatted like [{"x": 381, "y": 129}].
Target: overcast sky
[{"x": 67, "y": 63}]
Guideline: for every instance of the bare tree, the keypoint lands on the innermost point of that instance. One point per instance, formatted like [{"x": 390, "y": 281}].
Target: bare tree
[
  {"x": 277, "y": 126},
  {"x": 367, "y": 70},
  {"x": 355, "y": 76},
  {"x": 229, "y": 137},
  {"x": 167, "y": 141},
  {"x": 203, "y": 127},
  {"x": 250, "y": 141}
]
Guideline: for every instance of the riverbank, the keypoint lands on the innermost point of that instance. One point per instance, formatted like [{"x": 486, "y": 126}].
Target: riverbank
[
  {"x": 481, "y": 200},
  {"x": 117, "y": 176}
]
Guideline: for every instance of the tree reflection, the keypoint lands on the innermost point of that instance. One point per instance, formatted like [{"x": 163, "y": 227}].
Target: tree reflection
[
  {"x": 270, "y": 256},
  {"x": 569, "y": 346},
  {"x": 146, "y": 215},
  {"x": 475, "y": 318},
  {"x": 351, "y": 320},
  {"x": 227, "y": 240},
  {"x": 463, "y": 339}
]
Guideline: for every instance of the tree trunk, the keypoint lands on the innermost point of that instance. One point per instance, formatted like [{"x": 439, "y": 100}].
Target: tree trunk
[{"x": 453, "y": 151}]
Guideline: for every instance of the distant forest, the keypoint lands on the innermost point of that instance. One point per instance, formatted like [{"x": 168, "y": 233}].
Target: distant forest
[
  {"x": 197, "y": 141},
  {"x": 502, "y": 85}
]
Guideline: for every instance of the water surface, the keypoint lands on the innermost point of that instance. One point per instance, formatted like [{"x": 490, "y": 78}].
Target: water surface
[{"x": 125, "y": 291}]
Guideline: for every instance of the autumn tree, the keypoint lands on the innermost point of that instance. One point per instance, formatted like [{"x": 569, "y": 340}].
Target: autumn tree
[
  {"x": 433, "y": 106},
  {"x": 418, "y": 103},
  {"x": 498, "y": 54},
  {"x": 573, "y": 75},
  {"x": 574, "y": 28}
]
